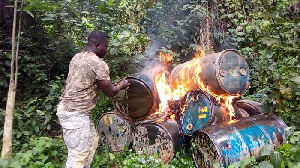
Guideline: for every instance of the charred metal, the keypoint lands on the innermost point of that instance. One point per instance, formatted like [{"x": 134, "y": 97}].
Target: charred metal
[{"x": 201, "y": 114}]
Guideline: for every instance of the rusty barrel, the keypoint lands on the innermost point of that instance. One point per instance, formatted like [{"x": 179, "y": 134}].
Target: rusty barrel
[
  {"x": 224, "y": 73},
  {"x": 232, "y": 141},
  {"x": 161, "y": 138},
  {"x": 138, "y": 101},
  {"x": 114, "y": 131},
  {"x": 200, "y": 111},
  {"x": 252, "y": 107}
]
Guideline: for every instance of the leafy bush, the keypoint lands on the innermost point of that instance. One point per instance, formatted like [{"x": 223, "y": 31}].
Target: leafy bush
[
  {"x": 126, "y": 158},
  {"x": 266, "y": 33},
  {"x": 36, "y": 116},
  {"x": 174, "y": 25},
  {"x": 182, "y": 158},
  {"x": 104, "y": 105},
  {"x": 38, "y": 152},
  {"x": 129, "y": 159}
]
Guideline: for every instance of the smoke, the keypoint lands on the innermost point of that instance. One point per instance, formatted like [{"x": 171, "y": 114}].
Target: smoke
[
  {"x": 152, "y": 65},
  {"x": 169, "y": 26}
]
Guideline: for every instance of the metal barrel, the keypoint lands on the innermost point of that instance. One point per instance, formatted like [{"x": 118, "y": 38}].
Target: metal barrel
[
  {"x": 161, "y": 138},
  {"x": 224, "y": 73},
  {"x": 114, "y": 131},
  {"x": 139, "y": 100},
  {"x": 232, "y": 141},
  {"x": 252, "y": 107},
  {"x": 201, "y": 111}
]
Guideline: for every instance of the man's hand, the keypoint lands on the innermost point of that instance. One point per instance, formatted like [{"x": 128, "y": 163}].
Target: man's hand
[
  {"x": 109, "y": 89},
  {"x": 123, "y": 84}
]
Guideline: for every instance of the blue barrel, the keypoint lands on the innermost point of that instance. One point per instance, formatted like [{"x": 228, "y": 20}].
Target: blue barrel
[
  {"x": 200, "y": 110},
  {"x": 232, "y": 141}
]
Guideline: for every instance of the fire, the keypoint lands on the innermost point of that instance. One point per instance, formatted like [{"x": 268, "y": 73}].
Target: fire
[
  {"x": 166, "y": 58},
  {"x": 180, "y": 88},
  {"x": 163, "y": 90},
  {"x": 199, "y": 52},
  {"x": 172, "y": 117}
]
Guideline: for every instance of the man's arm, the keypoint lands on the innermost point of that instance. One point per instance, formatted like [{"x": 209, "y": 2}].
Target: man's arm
[{"x": 109, "y": 89}]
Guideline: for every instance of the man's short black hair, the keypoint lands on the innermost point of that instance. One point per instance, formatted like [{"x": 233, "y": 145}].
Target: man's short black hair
[{"x": 97, "y": 36}]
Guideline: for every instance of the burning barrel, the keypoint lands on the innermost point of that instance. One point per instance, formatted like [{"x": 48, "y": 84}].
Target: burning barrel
[
  {"x": 224, "y": 73},
  {"x": 200, "y": 111},
  {"x": 138, "y": 101},
  {"x": 232, "y": 141},
  {"x": 161, "y": 138},
  {"x": 114, "y": 131}
]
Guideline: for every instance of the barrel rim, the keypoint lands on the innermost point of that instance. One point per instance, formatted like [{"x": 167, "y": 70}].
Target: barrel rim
[
  {"x": 161, "y": 126},
  {"x": 126, "y": 117},
  {"x": 220, "y": 158},
  {"x": 165, "y": 130},
  {"x": 129, "y": 137},
  {"x": 113, "y": 112},
  {"x": 210, "y": 101},
  {"x": 248, "y": 103},
  {"x": 217, "y": 72}
]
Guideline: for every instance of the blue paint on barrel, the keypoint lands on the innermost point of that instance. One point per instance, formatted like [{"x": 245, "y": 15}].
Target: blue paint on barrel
[
  {"x": 241, "y": 142},
  {"x": 233, "y": 141},
  {"x": 197, "y": 113}
]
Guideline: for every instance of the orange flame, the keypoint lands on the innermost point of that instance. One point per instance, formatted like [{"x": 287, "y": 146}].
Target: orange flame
[
  {"x": 163, "y": 90},
  {"x": 181, "y": 88},
  {"x": 199, "y": 52},
  {"x": 172, "y": 117},
  {"x": 166, "y": 58}
]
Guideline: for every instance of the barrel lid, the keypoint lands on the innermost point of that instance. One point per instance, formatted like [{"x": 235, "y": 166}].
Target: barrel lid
[
  {"x": 114, "y": 131},
  {"x": 232, "y": 72},
  {"x": 136, "y": 102},
  {"x": 197, "y": 112},
  {"x": 160, "y": 138}
]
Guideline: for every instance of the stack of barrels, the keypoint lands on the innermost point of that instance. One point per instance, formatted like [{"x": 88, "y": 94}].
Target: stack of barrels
[{"x": 217, "y": 136}]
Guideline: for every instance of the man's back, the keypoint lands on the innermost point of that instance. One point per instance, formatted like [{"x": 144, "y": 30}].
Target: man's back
[{"x": 81, "y": 90}]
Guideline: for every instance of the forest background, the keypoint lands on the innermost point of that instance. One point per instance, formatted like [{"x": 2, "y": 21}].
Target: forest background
[{"x": 265, "y": 32}]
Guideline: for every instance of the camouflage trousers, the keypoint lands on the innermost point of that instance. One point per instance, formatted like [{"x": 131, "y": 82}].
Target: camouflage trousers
[{"x": 80, "y": 136}]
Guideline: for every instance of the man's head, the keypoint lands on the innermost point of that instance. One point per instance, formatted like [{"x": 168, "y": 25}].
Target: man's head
[{"x": 98, "y": 43}]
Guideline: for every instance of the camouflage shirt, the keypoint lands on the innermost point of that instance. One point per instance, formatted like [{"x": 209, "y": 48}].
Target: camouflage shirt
[{"x": 81, "y": 92}]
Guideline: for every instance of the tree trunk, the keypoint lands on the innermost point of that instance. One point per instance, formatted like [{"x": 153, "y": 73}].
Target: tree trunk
[{"x": 7, "y": 131}]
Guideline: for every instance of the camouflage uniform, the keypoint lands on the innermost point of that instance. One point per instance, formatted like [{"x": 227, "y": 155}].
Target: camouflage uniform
[{"x": 76, "y": 104}]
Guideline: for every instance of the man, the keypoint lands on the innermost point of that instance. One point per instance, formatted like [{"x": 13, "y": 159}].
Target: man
[{"x": 88, "y": 73}]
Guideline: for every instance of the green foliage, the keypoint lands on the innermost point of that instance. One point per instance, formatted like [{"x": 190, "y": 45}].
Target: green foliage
[
  {"x": 127, "y": 38},
  {"x": 182, "y": 158},
  {"x": 38, "y": 152},
  {"x": 289, "y": 152},
  {"x": 251, "y": 161},
  {"x": 130, "y": 159},
  {"x": 126, "y": 159},
  {"x": 119, "y": 19},
  {"x": 36, "y": 117},
  {"x": 104, "y": 105},
  {"x": 266, "y": 34},
  {"x": 174, "y": 26}
]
